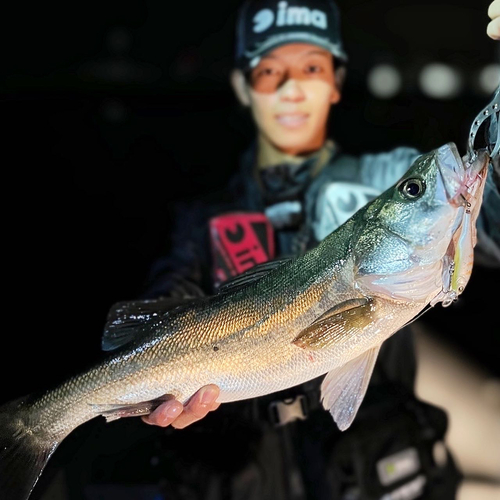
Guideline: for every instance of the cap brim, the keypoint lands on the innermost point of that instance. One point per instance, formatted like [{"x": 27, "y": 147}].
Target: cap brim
[{"x": 251, "y": 58}]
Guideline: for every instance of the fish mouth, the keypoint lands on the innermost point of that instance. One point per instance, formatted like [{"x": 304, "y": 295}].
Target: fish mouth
[{"x": 459, "y": 179}]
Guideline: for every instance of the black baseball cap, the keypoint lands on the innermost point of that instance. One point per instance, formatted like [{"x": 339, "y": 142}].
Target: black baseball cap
[{"x": 263, "y": 25}]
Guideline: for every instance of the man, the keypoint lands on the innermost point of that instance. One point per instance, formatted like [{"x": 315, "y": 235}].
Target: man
[{"x": 290, "y": 66}]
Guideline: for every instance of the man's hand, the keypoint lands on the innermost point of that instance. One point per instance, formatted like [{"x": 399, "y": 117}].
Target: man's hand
[
  {"x": 173, "y": 413},
  {"x": 493, "y": 28}
]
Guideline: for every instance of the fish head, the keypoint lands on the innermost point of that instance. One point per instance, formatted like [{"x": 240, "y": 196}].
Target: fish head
[
  {"x": 424, "y": 205},
  {"x": 408, "y": 232}
]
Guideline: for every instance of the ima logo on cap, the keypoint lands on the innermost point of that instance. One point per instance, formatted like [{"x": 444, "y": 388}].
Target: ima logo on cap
[{"x": 289, "y": 16}]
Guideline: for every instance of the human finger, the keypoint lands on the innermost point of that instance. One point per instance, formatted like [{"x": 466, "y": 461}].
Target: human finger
[
  {"x": 198, "y": 406},
  {"x": 494, "y": 9},
  {"x": 165, "y": 414},
  {"x": 493, "y": 28}
]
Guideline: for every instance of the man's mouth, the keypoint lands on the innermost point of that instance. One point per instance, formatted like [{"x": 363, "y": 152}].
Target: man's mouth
[{"x": 292, "y": 120}]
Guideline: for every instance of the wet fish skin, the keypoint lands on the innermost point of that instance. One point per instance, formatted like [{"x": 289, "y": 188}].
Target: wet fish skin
[{"x": 327, "y": 311}]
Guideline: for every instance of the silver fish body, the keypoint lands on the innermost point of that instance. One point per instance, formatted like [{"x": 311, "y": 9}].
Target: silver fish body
[
  {"x": 326, "y": 312},
  {"x": 242, "y": 341}
]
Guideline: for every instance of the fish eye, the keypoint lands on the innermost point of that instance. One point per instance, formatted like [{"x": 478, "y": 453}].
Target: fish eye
[{"x": 412, "y": 188}]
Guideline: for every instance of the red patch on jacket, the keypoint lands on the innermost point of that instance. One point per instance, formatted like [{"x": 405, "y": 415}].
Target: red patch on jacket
[{"x": 239, "y": 241}]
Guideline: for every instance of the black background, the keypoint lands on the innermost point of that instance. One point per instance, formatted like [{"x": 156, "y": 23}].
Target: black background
[{"x": 112, "y": 111}]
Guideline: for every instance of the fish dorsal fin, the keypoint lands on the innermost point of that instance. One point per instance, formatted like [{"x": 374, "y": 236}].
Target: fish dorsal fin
[
  {"x": 130, "y": 320},
  {"x": 341, "y": 322},
  {"x": 251, "y": 275},
  {"x": 344, "y": 388}
]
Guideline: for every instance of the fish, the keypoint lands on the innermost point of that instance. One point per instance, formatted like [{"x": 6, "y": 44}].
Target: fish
[{"x": 326, "y": 312}]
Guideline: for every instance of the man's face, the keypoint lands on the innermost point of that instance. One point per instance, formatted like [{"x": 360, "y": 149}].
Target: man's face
[{"x": 291, "y": 91}]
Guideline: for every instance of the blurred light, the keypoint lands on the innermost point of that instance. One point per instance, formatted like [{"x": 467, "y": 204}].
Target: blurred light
[
  {"x": 118, "y": 40},
  {"x": 113, "y": 110},
  {"x": 117, "y": 66},
  {"x": 186, "y": 66},
  {"x": 440, "y": 81},
  {"x": 384, "y": 81},
  {"x": 489, "y": 78}
]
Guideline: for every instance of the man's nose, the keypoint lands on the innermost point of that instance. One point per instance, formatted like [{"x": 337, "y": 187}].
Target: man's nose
[{"x": 291, "y": 90}]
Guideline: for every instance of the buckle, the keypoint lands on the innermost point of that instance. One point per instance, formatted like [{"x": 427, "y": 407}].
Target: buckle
[{"x": 288, "y": 410}]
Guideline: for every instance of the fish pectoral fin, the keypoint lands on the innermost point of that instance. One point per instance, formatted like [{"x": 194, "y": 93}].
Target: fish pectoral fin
[
  {"x": 130, "y": 320},
  {"x": 338, "y": 324},
  {"x": 113, "y": 412},
  {"x": 344, "y": 388}
]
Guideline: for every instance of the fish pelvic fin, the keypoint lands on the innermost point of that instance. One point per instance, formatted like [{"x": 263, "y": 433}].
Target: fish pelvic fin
[
  {"x": 113, "y": 412},
  {"x": 344, "y": 388},
  {"x": 23, "y": 455},
  {"x": 337, "y": 324}
]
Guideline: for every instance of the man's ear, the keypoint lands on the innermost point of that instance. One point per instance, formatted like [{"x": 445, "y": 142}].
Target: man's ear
[
  {"x": 340, "y": 74},
  {"x": 239, "y": 84}
]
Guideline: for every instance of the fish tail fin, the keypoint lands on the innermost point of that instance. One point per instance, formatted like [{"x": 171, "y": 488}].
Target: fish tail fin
[{"x": 23, "y": 453}]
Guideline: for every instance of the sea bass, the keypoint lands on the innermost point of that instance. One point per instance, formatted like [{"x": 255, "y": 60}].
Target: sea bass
[{"x": 279, "y": 325}]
